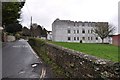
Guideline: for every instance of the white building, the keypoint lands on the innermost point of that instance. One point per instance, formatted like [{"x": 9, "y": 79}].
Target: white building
[
  {"x": 73, "y": 31},
  {"x": 49, "y": 35}
]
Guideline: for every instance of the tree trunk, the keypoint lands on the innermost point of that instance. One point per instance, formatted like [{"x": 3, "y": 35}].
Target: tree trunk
[{"x": 102, "y": 40}]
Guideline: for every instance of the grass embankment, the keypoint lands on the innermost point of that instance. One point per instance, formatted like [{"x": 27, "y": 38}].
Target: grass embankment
[
  {"x": 105, "y": 51},
  {"x": 38, "y": 46}
]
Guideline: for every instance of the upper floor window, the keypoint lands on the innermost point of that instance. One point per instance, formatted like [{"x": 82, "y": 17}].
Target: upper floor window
[
  {"x": 68, "y": 31},
  {"x": 83, "y": 30},
  {"x": 91, "y": 31},
  {"x": 83, "y": 24},
  {"x": 88, "y": 31},
  {"x": 74, "y": 31},
  {"x": 86, "y": 24},
  {"x": 77, "y": 31}
]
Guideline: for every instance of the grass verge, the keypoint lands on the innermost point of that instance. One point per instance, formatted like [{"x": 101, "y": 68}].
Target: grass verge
[
  {"x": 105, "y": 51},
  {"x": 57, "y": 70}
]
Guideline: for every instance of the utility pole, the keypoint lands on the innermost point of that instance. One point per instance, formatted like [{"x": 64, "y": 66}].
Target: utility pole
[
  {"x": 31, "y": 22},
  {"x": 31, "y": 29}
]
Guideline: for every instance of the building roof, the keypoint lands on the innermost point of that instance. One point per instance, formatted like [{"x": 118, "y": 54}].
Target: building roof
[{"x": 69, "y": 21}]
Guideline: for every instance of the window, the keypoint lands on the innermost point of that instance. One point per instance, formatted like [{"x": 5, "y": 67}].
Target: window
[
  {"x": 69, "y": 38},
  {"x": 68, "y": 31},
  {"x": 90, "y": 24},
  {"x": 77, "y": 31},
  {"x": 91, "y": 31},
  {"x": 74, "y": 31},
  {"x": 77, "y": 38},
  {"x": 83, "y": 31},
  {"x": 86, "y": 23},
  {"x": 91, "y": 38},
  {"x": 74, "y": 38},
  {"x": 83, "y": 38},
  {"x": 88, "y": 38},
  {"x": 83, "y": 24},
  {"x": 96, "y": 38},
  {"x": 88, "y": 31},
  {"x": 74, "y": 24}
]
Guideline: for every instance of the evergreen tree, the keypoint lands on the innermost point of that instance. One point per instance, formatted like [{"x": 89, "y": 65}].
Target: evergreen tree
[{"x": 11, "y": 14}]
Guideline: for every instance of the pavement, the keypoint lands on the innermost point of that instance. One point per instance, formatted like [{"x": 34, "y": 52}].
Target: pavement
[{"x": 20, "y": 61}]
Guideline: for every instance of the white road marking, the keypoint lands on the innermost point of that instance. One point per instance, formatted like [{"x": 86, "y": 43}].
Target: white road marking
[
  {"x": 43, "y": 69},
  {"x": 18, "y": 46},
  {"x": 43, "y": 73}
]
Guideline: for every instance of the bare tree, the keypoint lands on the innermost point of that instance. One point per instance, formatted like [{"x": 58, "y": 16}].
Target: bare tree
[{"x": 103, "y": 29}]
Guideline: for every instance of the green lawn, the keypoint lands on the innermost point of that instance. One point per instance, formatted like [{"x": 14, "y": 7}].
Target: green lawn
[{"x": 105, "y": 51}]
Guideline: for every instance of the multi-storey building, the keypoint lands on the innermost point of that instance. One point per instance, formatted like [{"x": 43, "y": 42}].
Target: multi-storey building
[{"x": 73, "y": 31}]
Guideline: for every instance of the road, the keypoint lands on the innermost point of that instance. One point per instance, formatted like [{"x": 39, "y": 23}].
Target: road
[{"x": 20, "y": 61}]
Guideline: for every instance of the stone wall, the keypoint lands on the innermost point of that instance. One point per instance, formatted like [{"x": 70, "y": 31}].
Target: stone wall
[
  {"x": 10, "y": 38},
  {"x": 81, "y": 65}
]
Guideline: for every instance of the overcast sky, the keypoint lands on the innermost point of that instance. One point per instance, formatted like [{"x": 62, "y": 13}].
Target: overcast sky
[{"x": 44, "y": 12}]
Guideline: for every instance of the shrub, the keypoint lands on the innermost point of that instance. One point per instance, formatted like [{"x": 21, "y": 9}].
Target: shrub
[{"x": 36, "y": 42}]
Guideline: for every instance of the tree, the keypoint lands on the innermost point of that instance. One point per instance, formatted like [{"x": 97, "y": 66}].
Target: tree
[
  {"x": 25, "y": 31},
  {"x": 103, "y": 29},
  {"x": 44, "y": 33},
  {"x": 11, "y": 14},
  {"x": 39, "y": 30},
  {"x": 13, "y": 28}
]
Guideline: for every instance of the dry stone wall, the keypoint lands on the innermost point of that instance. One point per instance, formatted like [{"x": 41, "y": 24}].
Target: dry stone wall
[{"x": 82, "y": 65}]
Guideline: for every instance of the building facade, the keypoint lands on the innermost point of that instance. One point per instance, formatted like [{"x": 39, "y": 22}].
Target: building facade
[
  {"x": 49, "y": 35},
  {"x": 73, "y": 31}
]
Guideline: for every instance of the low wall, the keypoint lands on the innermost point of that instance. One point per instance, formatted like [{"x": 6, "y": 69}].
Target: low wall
[
  {"x": 80, "y": 65},
  {"x": 10, "y": 38}
]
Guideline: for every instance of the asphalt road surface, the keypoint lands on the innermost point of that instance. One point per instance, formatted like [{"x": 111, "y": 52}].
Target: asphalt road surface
[{"x": 20, "y": 61}]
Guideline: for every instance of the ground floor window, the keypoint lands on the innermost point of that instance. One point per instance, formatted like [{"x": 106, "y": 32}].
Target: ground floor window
[
  {"x": 69, "y": 38},
  {"x": 77, "y": 38},
  {"x": 88, "y": 38},
  {"x": 83, "y": 38},
  {"x": 91, "y": 38},
  {"x": 96, "y": 38},
  {"x": 74, "y": 38}
]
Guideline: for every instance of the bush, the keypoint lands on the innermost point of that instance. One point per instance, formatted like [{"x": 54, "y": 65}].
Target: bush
[
  {"x": 36, "y": 42},
  {"x": 31, "y": 41},
  {"x": 39, "y": 42},
  {"x": 17, "y": 36},
  {"x": 40, "y": 49}
]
